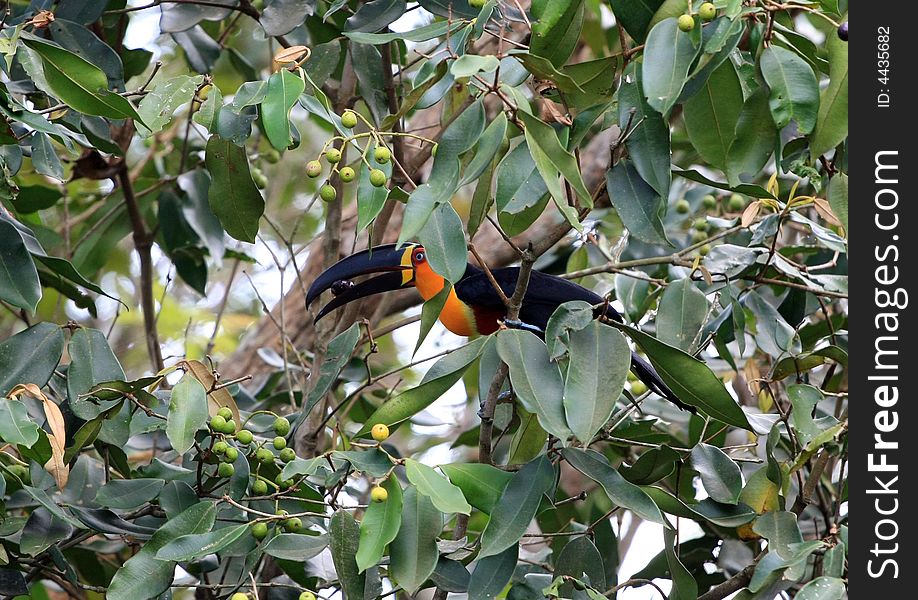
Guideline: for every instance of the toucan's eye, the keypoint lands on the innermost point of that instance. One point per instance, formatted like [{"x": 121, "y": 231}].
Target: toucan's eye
[{"x": 419, "y": 256}]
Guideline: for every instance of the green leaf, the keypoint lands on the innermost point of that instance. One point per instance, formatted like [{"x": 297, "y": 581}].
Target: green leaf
[
  {"x": 723, "y": 515},
  {"x": 692, "y": 381},
  {"x": 371, "y": 199},
  {"x": 599, "y": 360},
  {"x": 443, "y": 238},
  {"x": 190, "y": 547},
  {"x": 517, "y": 506},
  {"x": 648, "y": 142},
  {"x": 284, "y": 88},
  {"x": 747, "y": 189},
  {"x": 41, "y": 531},
  {"x": 832, "y": 121},
  {"x": 551, "y": 159},
  {"x": 19, "y": 284},
  {"x": 16, "y": 427},
  {"x": 30, "y": 356},
  {"x": 430, "y": 312},
  {"x": 441, "y": 376},
  {"x": 520, "y": 188},
  {"x": 668, "y": 54},
  {"x": 157, "y": 107},
  {"x": 682, "y": 312},
  {"x": 413, "y": 553},
  {"x": 91, "y": 362},
  {"x": 379, "y": 526},
  {"x": 445, "y": 496},
  {"x": 536, "y": 380},
  {"x": 145, "y": 576},
  {"x": 794, "y": 89},
  {"x": 337, "y": 356},
  {"x": 487, "y": 149},
  {"x": 635, "y": 16},
  {"x": 492, "y": 574},
  {"x": 556, "y": 29},
  {"x": 128, "y": 493},
  {"x": 711, "y": 115},
  {"x": 79, "y": 83},
  {"x": 781, "y": 531},
  {"x": 234, "y": 198},
  {"x": 187, "y": 413},
  {"x": 468, "y": 65},
  {"x": 42, "y": 497},
  {"x": 375, "y": 15},
  {"x": 822, "y": 588},
  {"x": 482, "y": 484},
  {"x": 421, "y": 34},
  {"x": 617, "y": 488},
  {"x": 638, "y": 205},
  {"x": 754, "y": 140},
  {"x": 838, "y": 197},
  {"x": 720, "y": 476},
  {"x": 297, "y": 547},
  {"x": 773, "y": 334},
  {"x": 684, "y": 585},
  {"x": 580, "y": 559},
  {"x": 345, "y": 539},
  {"x": 44, "y": 157}
]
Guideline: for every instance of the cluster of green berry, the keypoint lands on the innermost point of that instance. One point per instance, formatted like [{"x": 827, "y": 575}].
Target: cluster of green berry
[
  {"x": 347, "y": 174},
  {"x": 734, "y": 203},
  {"x": 706, "y": 12}
]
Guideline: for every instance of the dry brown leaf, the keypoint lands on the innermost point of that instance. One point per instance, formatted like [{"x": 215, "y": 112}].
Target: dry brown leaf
[
  {"x": 58, "y": 436},
  {"x": 825, "y": 211},
  {"x": 216, "y": 398},
  {"x": 289, "y": 57},
  {"x": 749, "y": 215}
]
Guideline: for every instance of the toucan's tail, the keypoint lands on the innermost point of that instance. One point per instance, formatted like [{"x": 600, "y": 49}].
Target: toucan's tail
[{"x": 646, "y": 373}]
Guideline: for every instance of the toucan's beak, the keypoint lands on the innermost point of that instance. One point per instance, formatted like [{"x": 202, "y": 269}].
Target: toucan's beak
[{"x": 394, "y": 262}]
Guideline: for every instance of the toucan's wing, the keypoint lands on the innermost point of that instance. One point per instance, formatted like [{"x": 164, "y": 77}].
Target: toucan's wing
[{"x": 544, "y": 294}]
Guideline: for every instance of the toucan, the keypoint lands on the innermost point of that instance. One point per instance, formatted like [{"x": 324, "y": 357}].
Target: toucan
[{"x": 473, "y": 306}]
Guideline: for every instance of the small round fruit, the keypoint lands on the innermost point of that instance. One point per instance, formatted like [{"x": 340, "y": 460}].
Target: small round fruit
[
  {"x": 686, "y": 23},
  {"x": 264, "y": 456},
  {"x": 258, "y": 176},
  {"x": 229, "y": 428},
  {"x": 704, "y": 250},
  {"x": 700, "y": 225},
  {"x": 226, "y": 470},
  {"x": 379, "y": 432},
  {"x": 638, "y": 387},
  {"x": 313, "y": 168},
  {"x": 221, "y": 448},
  {"x": 333, "y": 155},
  {"x": 379, "y": 494},
  {"x": 377, "y": 178},
  {"x": 259, "y": 487},
  {"x": 244, "y": 437},
  {"x": 473, "y": 4},
  {"x": 736, "y": 202},
  {"x": 217, "y": 423},
  {"x": 281, "y": 426},
  {"x": 327, "y": 193},
  {"x": 707, "y": 11},
  {"x": 349, "y": 119},
  {"x": 699, "y": 236},
  {"x": 287, "y": 455},
  {"x": 226, "y": 413},
  {"x": 683, "y": 207},
  {"x": 231, "y": 455},
  {"x": 709, "y": 201},
  {"x": 382, "y": 154},
  {"x": 272, "y": 156},
  {"x": 280, "y": 513},
  {"x": 433, "y": 151},
  {"x": 239, "y": 596},
  {"x": 310, "y": 595},
  {"x": 347, "y": 174},
  {"x": 279, "y": 443},
  {"x": 843, "y": 31},
  {"x": 259, "y": 531},
  {"x": 293, "y": 524}
]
